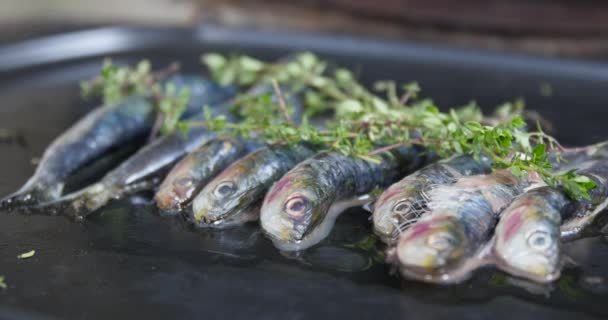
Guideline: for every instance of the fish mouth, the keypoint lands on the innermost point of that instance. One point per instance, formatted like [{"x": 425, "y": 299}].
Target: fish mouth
[
  {"x": 287, "y": 244},
  {"x": 288, "y": 239},
  {"x": 283, "y": 232},
  {"x": 388, "y": 239},
  {"x": 544, "y": 272},
  {"x": 226, "y": 219},
  {"x": 437, "y": 269},
  {"x": 539, "y": 275},
  {"x": 205, "y": 220},
  {"x": 168, "y": 202},
  {"x": 384, "y": 229}
]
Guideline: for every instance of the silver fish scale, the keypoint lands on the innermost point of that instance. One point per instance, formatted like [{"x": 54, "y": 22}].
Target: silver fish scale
[
  {"x": 347, "y": 176},
  {"x": 112, "y": 126},
  {"x": 471, "y": 205},
  {"x": 215, "y": 155},
  {"x": 419, "y": 206},
  {"x": 435, "y": 175},
  {"x": 283, "y": 158}
]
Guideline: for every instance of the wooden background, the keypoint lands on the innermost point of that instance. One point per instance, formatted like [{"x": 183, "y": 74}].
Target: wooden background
[{"x": 572, "y": 28}]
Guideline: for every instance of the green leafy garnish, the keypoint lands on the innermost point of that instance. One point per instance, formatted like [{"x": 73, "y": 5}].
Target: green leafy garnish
[
  {"x": 27, "y": 255},
  {"x": 172, "y": 106},
  {"x": 3, "y": 282},
  {"x": 391, "y": 116},
  {"x": 115, "y": 83}
]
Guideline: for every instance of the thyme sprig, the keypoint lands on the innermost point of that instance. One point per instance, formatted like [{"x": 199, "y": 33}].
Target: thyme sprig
[
  {"x": 365, "y": 123},
  {"x": 389, "y": 116},
  {"x": 115, "y": 83}
]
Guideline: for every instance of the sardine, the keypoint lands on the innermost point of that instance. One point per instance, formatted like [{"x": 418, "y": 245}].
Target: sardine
[
  {"x": 527, "y": 238},
  {"x": 195, "y": 170},
  {"x": 97, "y": 132},
  {"x": 133, "y": 174},
  {"x": 234, "y": 196},
  {"x": 589, "y": 216},
  {"x": 402, "y": 203},
  {"x": 301, "y": 208},
  {"x": 458, "y": 223}
]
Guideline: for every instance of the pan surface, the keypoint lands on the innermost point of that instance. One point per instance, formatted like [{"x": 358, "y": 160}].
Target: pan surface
[{"x": 128, "y": 262}]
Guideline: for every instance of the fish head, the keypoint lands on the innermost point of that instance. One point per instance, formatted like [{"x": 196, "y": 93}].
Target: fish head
[
  {"x": 395, "y": 208},
  {"x": 527, "y": 243},
  {"x": 177, "y": 188},
  {"x": 431, "y": 246},
  {"x": 293, "y": 208},
  {"x": 229, "y": 198}
]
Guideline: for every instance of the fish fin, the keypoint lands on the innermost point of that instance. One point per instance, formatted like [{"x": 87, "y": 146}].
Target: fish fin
[
  {"x": 459, "y": 274},
  {"x": 591, "y": 224},
  {"x": 367, "y": 202},
  {"x": 340, "y": 206},
  {"x": 369, "y": 207},
  {"x": 486, "y": 253},
  {"x": 568, "y": 261}
]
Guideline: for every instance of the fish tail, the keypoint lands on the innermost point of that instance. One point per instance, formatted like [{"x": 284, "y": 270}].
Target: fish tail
[
  {"x": 31, "y": 195},
  {"x": 80, "y": 204}
]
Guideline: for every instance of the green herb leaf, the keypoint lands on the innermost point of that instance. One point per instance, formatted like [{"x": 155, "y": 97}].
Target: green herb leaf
[
  {"x": 27, "y": 255},
  {"x": 367, "y": 123}
]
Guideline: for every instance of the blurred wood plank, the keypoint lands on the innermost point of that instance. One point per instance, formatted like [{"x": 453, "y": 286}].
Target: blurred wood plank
[
  {"x": 548, "y": 27},
  {"x": 531, "y": 16},
  {"x": 336, "y": 17},
  {"x": 142, "y": 12}
]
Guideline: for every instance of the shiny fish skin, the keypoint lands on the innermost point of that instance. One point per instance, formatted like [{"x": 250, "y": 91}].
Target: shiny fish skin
[
  {"x": 195, "y": 170},
  {"x": 526, "y": 239},
  {"x": 401, "y": 203},
  {"x": 588, "y": 217},
  {"x": 97, "y": 132},
  {"x": 300, "y": 209},
  {"x": 131, "y": 175},
  {"x": 460, "y": 220},
  {"x": 235, "y": 194}
]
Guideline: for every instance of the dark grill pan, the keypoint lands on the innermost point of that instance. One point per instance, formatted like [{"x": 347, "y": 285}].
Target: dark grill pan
[{"x": 126, "y": 262}]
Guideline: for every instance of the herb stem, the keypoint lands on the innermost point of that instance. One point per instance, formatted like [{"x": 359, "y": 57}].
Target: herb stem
[
  {"x": 385, "y": 149},
  {"x": 281, "y": 102},
  {"x": 158, "y": 123}
]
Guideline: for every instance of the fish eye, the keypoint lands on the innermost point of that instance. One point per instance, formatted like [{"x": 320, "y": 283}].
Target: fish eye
[
  {"x": 224, "y": 189},
  {"x": 539, "y": 240},
  {"x": 297, "y": 206},
  {"x": 402, "y": 206},
  {"x": 440, "y": 241}
]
